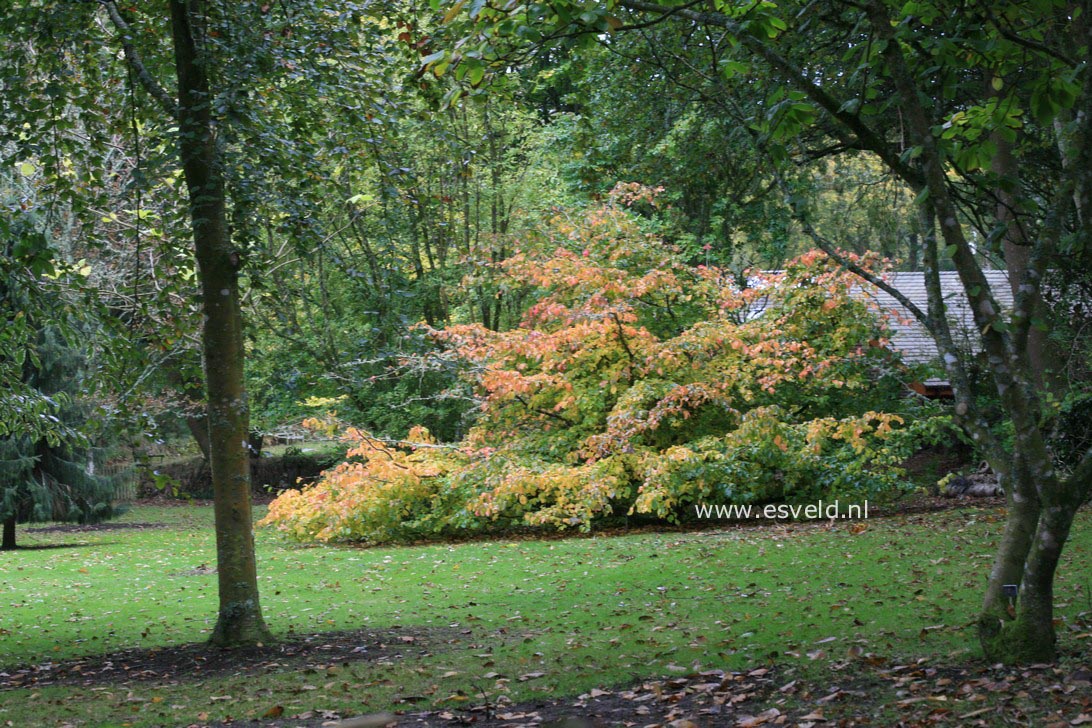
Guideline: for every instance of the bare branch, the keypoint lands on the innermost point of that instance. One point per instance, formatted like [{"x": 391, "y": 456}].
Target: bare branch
[{"x": 827, "y": 247}]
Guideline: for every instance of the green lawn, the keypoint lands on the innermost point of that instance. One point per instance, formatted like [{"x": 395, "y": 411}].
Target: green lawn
[{"x": 584, "y": 612}]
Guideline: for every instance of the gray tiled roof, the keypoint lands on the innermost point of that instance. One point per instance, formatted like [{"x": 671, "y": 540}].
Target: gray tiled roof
[{"x": 910, "y": 338}]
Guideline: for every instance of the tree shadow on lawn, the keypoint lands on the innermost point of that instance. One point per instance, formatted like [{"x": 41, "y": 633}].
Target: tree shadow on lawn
[
  {"x": 851, "y": 689},
  {"x": 80, "y": 528},
  {"x": 851, "y": 692},
  {"x": 197, "y": 661},
  {"x": 104, "y": 527},
  {"x": 94, "y": 527},
  {"x": 51, "y": 546},
  {"x": 854, "y": 689}
]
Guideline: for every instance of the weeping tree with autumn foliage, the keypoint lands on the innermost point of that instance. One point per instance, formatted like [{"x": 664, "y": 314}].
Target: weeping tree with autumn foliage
[{"x": 638, "y": 385}]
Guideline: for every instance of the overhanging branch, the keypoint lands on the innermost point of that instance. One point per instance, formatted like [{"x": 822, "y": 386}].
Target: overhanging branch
[
  {"x": 132, "y": 57},
  {"x": 862, "y": 135}
]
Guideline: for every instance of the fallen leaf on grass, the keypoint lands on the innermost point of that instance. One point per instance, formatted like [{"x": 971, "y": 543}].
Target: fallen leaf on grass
[
  {"x": 973, "y": 713},
  {"x": 749, "y": 721},
  {"x": 932, "y": 628},
  {"x": 275, "y": 712}
]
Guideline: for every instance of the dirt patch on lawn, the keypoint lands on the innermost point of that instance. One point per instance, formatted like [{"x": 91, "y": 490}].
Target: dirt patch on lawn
[{"x": 174, "y": 664}]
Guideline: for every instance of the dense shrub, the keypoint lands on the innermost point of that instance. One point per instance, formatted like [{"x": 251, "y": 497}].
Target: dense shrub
[{"x": 637, "y": 384}]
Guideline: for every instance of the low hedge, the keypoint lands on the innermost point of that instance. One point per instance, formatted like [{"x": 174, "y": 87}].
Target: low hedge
[{"x": 192, "y": 478}]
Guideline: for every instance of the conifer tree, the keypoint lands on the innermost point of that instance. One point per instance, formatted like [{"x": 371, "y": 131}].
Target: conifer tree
[{"x": 50, "y": 478}]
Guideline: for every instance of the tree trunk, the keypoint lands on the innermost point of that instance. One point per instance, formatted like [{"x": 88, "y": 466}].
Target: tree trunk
[
  {"x": 998, "y": 610},
  {"x": 1022, "y": 631},
  {"x": 8, "y": 542},
  {"x": 199, "y": 428},
  {"x": 240, "y": 619},
  {"x": 1039, "y": 506},
  {"x": 1017, "y": 251}
]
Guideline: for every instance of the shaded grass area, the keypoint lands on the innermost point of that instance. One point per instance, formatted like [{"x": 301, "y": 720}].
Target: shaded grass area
[{"x": 446, "y": 625}]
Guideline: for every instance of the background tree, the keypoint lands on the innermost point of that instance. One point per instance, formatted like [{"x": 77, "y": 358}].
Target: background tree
[
  {"x": 64, "y": 58},
  {"x": 240, "y": 618},
  {"x": 47, "y": 471},
  {"x": 42, "y": 480},
  {"x": 24, "y": 410}
]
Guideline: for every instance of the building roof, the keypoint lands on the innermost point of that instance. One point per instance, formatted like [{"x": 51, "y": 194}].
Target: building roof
[{"x": 910, "y": 337}]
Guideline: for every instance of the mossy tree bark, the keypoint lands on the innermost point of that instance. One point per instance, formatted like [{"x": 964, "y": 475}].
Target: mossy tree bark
[{"x": 240, "y": 619}]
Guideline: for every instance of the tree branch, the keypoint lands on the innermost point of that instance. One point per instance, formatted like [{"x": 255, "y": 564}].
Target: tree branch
[
  {"x": 660, "y": 19},
  {"x": 1080, "y": 480},
  {"x": 625, "y": 345},
  {"x": 827, "y": 247},
  {"x": 1011, "y": 35},
  {"x": 934, "y": 322},
  {"x": 541, "y": 411},
  {"x": 865, "y": 136},
  {"x": 132, "y": 56}
]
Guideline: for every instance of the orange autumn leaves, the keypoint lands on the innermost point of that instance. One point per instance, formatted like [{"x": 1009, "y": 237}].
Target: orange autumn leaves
[
  {"x": 636, "y": 383},
  {"x": 370, "y": 495}
]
